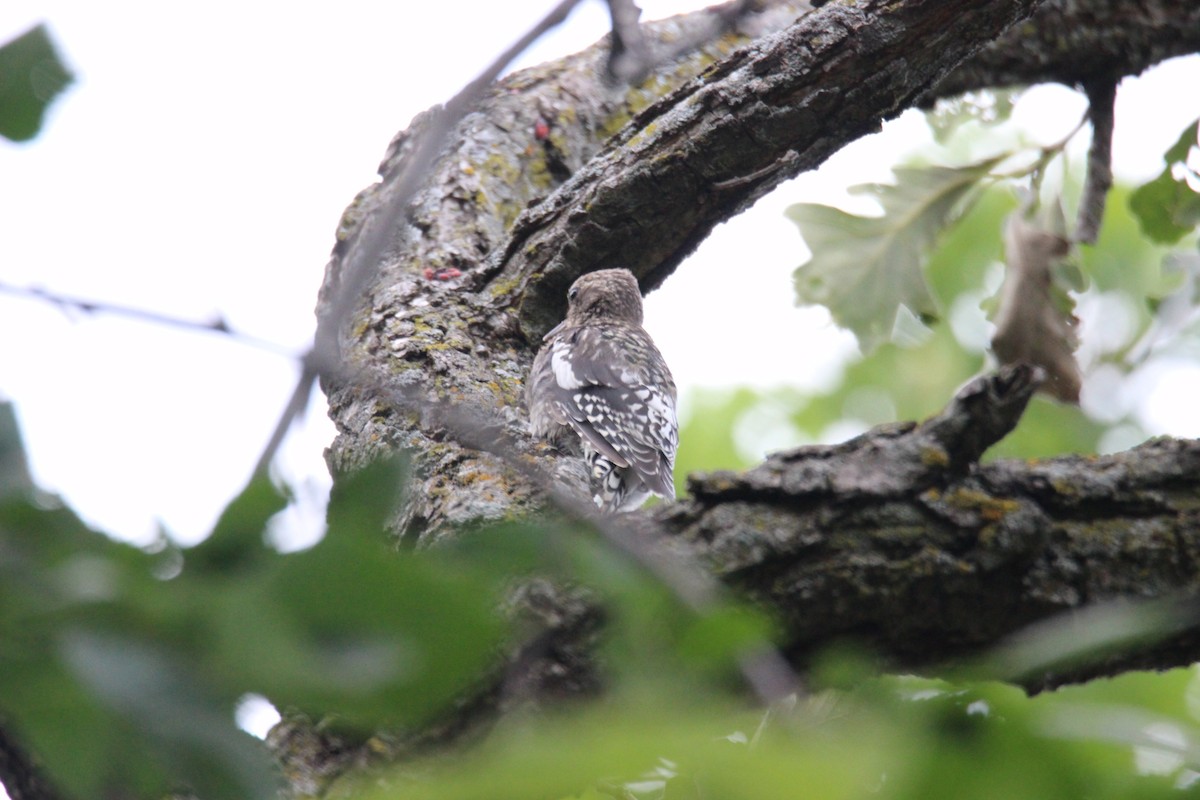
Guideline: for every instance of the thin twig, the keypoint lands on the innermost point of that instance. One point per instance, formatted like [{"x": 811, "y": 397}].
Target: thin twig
[
  {"x": 764, "y": 668},
  {"x": 632, "y": 57},
  {"x": 218, "y": 326},
  {"x": 722, "y": 19},
  {"x": 361, "y": 262},
  {"x": 628, "y": 55},
  {"x": 1101, "y": 95}
]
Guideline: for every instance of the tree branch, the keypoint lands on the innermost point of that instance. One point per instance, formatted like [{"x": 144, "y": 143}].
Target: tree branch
[
  {"x": 828, "y": 79},
  {"x": 942, "y": 562},
  {"x": 1101, "y": 94},
  {"x": 528, "y": 195}
]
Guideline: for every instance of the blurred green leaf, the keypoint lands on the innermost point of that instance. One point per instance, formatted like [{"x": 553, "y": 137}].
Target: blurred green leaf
[
  {"x": 173, "y": 718},
  {"x": 353, "y": 628},
  {"x": 31, "y": 76},
  {"x": 1167, "y": 207},
  {"x": 85, "y": 748},
  {"x": 362, "y": 501},
  {"x": 75, "y": 611},
  {"x": 14, "y": 467},
  {"x": 864, "y": 268},
  {"x": 968, "y": 248},
  {"x": 615, "y": 751},
  {"x": 1122, "y": 259},
  {"x": 718, "y": 638},
  {"x": 707, "y": 431},
  {"x": 987, "y": 107},
  {"x": 1048, "y": 428},
  {"x": 237, "y": 538}
]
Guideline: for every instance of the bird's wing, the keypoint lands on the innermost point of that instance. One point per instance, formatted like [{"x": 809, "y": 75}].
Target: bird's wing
[{"x": 612, "y": 385}]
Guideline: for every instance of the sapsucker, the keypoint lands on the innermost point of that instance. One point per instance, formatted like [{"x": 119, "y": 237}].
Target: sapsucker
[{"x": 599, "y": 376}]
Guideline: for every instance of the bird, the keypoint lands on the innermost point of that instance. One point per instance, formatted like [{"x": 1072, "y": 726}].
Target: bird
[{"x": 599, "y": 377}]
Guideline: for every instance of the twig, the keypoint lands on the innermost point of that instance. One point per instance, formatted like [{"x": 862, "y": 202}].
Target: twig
[
  {"x": 218, "y": 325},
  {"x": 722, "y": 18},
  {"x": 631, "y": 535},
  {"x": 785, "y": 161},
  {"x": 1101, "y": 96},
  {"x": 628, "y": 56},
  {"x": 362, "y": 259},
  {"x": 295, "y": 407},
  {"x": 632, "y": 57}
]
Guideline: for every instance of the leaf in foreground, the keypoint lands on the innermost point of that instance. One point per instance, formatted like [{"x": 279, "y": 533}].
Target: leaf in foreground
[{"x": 31, "y": 76}]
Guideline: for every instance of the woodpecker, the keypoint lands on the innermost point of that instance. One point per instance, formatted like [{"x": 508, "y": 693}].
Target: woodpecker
[{"x": 598, "y": 376}]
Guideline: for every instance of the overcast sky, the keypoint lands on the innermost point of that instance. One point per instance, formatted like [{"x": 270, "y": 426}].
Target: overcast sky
[{"x": 198, "y": 168}]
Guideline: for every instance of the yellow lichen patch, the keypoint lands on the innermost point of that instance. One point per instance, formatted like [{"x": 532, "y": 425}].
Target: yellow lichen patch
[
  {"x": 500, "y": 167},
  {"x": 992, "y": 509},
  {"x": 615, "y": 122},
  {"x": 507, "y": 391},
  {"x": 641, "y": 136},
  {"x": 934, "y": 457},
  {"x": 504, "y": 288},
  {"x": 1064, "y": 487}
]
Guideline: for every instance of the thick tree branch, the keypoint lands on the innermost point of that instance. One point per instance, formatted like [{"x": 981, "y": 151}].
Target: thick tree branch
[
  {"x": 943, "y": 561},
  {"x": 1074, "y": 41},
  {"x": 774, "y": 109}
]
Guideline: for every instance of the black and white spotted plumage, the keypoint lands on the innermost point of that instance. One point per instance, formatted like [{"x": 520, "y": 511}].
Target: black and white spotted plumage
[{"x": 600, "y": 377}]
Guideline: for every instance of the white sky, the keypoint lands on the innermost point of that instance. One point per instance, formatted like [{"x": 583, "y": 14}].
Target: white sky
[{"x": 199, "y": 167}]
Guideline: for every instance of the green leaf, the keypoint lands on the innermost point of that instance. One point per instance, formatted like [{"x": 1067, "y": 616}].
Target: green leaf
[
  {"x": 353, "y": 628},
  {"x": 864, "y": 268},
  {"x": 172, "y": 717},
  {"x": 237, "y": 538},
  {"x": 31, "y": 76},
  {"x": 1168, "y": 208},
  {"x": 987, "y": 107},
  {"x": 14, "y": 467},
  {"x": 718, "y": 638},
  {"x": 363, "y": 500}
]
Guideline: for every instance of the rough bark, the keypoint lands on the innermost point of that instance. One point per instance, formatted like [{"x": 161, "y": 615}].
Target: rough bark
[
  {"x": 900, "y": 542},
  {"x": 562, "y": 171}
]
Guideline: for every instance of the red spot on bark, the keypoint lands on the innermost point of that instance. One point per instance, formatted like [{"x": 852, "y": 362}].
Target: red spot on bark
[{"x": 541, "y": 129}]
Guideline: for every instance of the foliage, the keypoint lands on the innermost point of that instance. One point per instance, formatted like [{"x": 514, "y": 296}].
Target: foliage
[
  {"x": 122, "y": 667},
  {"x": 31, "y": 76},
  {"x": 936, "y": 250},
  {"x": 1168, "y": 207},
  {"x": 864, "y": 268}
]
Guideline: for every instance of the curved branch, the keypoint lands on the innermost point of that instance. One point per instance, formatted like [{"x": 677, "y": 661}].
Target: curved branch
[
  {"x": 771, "y": 110},
  {"x": 528, "y": 194}
]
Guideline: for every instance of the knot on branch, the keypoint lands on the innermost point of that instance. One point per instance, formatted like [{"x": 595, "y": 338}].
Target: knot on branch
[{"x": 894, "y": 459}]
